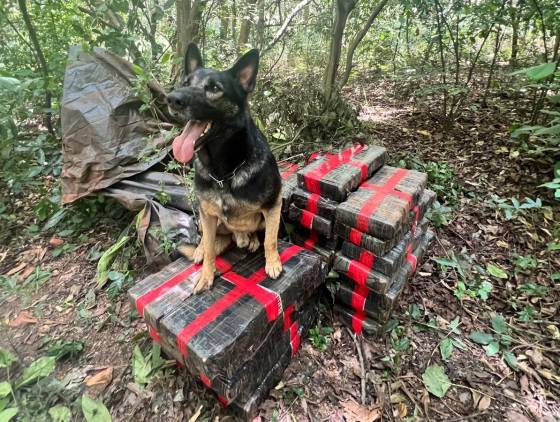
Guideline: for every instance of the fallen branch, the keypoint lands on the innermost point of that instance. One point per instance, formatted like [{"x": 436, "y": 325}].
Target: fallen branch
[{"x": 363, "y": 374}]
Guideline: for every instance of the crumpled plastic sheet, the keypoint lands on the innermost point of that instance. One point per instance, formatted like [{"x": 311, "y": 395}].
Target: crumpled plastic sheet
[{"x": 112, "y": 147}]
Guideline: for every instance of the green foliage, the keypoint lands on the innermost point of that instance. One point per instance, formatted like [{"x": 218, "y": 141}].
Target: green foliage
[
  {"x": 41, "y": 368},
  {"x": 146, "y": 368},
  {"x": 62, "y": 349},
  {"x": 436, "y": 381},
  {"x": 94, "y": 410},
  {"x": 498, "y": 342},
  {"x": 513, "y": 207},
  {"x": 320, "y": 337}
]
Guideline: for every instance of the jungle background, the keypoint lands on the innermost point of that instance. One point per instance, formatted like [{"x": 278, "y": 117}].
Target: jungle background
[{"x": 467, "y": 91}]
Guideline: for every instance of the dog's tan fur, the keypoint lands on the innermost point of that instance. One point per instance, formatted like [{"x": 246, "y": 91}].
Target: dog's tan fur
[{"x": 242, "y": 223}]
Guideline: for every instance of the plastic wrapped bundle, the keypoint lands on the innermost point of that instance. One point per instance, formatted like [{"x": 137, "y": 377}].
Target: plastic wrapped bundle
[
  {"x": 354, "y": 272},
  {"x": 217, "y": 331},
  {"x": 289, "y": 182},
  {"x": 335, "y": 175},
  {"x": 385, "y": 264},
  {"x": 382, "y": 246},
  {"x": 368, "y": 312},
  {"x": 314, "y": 203},
  {"x": 311, "y": 221},
  {"x": 313, "y": 241},
  {"x": 381, "y": 204}
]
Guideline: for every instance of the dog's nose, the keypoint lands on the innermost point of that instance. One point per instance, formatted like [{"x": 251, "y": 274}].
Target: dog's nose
[{"x": 176, "y": 100}]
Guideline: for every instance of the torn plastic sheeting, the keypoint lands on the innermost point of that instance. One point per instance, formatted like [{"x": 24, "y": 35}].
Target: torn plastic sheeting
[{"x": 103, "y": 130}]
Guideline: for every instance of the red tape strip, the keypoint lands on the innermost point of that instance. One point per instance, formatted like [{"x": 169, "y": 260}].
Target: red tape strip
[
  {"x": 311, "y": 242},
  {"x": 312, "y": 203},
  {"x": 292, "y": 168},
  {"x": 243, "y": 286},
  {"x": 313, "y": 177},
  {"x": 380, "y": 192},
  {"x": 367, "y": 258},
  {"x": 306, "y": 219},
  {"x": 293, "y": 328},
  {"x": 154, "y": 334},
  {"x": 221, "y": 264}
]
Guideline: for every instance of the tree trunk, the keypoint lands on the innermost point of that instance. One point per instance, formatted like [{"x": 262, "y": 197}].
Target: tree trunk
[
  {"x": 42, "y": 64},
  {"x": 245, "y": 29},
  {"x": 515, "y": 16},
  {"x": 358, "y": 39},
  {"x": 260, "y": 24},
  {"x": 493, "y": 64},
  {"x": 188, "y": 19},
  {"x": 342, "y": 10}
]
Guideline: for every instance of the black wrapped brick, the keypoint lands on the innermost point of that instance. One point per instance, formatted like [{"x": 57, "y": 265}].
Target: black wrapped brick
[
  {"x": 315, "y": 203},
  {"x": 335, "y": 175},
  {"x": 315, "y": 242},
  {"x": 173, "y": 292},
  {"x": 378, "y": 307},
  {"x": 389, "y": 208},
  {"x": 289, "y": 184},
  {"x": 311, "y": 221},
  {"x": 376, "y": 281},
  {"x": 382, "y": 246},
  {"x": 385, "y": 264},
  {"x": 227, "y": 341}
]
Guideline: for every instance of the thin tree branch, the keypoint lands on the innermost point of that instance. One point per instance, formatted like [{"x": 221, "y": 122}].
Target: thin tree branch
[{"x": 280, "y": 33}]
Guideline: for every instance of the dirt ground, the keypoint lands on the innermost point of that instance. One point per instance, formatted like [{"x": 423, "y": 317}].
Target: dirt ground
[{"x": 322, "y": 385}]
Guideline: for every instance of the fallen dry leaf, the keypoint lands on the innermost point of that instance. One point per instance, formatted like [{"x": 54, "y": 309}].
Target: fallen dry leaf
[
  {"x": 16, "y": 269},
  {"x": 516, "y": 417},
  {"x": 102, "y": 379},
  {"x": 355, "y": 412},
  {"x": 27, "y": 272},
  {"x": 56, "y": 241},
  {"x": 484, "y": 403},
  {"x": 24, "y": 318}
]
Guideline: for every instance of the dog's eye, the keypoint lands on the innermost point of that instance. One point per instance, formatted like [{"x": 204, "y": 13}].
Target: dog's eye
[{"x": 213, "y": 87}]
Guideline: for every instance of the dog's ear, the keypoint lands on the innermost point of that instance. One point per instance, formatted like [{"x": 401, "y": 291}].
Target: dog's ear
[
  {"x": 193, "y": 59},
  {"x": 245, "y": 70}
]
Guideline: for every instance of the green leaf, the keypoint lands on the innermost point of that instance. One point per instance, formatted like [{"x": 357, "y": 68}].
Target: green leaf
[
  {"x": 5, "y": 389},
  {"x": 484, "y": 290},
  {"x": 510, "y": 359},
  {"x": 95, "y": 410},
  {"x": 499, "y": 324},
  {"x": 6, "y": 82},
  {"x": 541, "y": 71},
  {"x": 492, "y": 348},
  {"x": 446, "y": 348},
  {"x": 41, "y": 368},
  {"x": 454, "y": 325},
  {"x": 60, "y": 414},
  {"x": 141, "y": 367},
  {"x": 553, "y": 246},
  {"x": 481, "y": 338},
  {"x": 496, "y": 271},
  {"x": 6, "y": 358},
  {"x": 8, "y": 414},
  {"x": 106, "y": 260},
  {"x": 436, "y": 380}
]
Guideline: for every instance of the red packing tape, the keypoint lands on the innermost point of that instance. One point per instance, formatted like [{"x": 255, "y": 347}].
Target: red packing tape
[
  {"x": 312, "y": 202},
  {"x": 243, "y": 286},
  {"x": 147, "y": 298},
  {"x": 306, "y": 219},
  {"x": 380, "y": 192},
  {"x": 293, "y": 328},
  {"x": 310, "y": 243},
  {"x": 367, "y": 258},
  {"x": 289, "y": 171},
  {"x": 313, "y": 177},
  {"x": 154, "y": 334}
]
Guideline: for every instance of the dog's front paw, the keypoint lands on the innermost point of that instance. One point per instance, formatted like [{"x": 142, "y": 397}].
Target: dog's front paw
[
  {"x": 204, "y": 282},
  {"x": 241, "y": 240},
  {"x": 198, "y": 255},
  {"x": 254, "y": 243},
  {"x": 273, "y": 268}
]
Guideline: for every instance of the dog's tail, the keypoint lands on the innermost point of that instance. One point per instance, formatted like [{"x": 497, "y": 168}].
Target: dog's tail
[{"x": 223, "y": 241}]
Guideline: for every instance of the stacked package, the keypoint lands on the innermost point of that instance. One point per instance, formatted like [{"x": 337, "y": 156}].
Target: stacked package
[
  {"x": 322, "y": 185},
  {"x": 239, "y": 336},
  {"x": 384, "y": 235}
]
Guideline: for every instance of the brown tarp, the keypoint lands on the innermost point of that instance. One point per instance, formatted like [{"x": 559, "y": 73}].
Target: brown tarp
[{"x": 114, "y": 147}]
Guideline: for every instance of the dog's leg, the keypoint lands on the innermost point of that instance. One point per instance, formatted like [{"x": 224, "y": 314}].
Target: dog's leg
[
  {"x": 209, "y": 224},
  {"x": 273, "y": 266},
  {"x": 241, "y": 239},
  {"x": 254, "y": 242}
]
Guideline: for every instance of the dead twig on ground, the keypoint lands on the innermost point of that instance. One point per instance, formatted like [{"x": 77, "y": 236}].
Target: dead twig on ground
[{"x": 359, "y": 345}]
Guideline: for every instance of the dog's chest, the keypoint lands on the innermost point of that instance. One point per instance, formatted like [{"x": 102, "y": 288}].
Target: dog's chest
[{"x": 232, "y": 212}]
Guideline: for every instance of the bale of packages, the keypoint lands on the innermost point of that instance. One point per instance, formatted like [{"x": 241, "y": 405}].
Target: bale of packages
[
  {"x": 234, "y": 334},
  {"x": 382, "y": 246},
  {"x": 381, "y": 205},
  {"x": 314, "y": 203},
  {"x": 316, "y": 243},
  {"x": 311, "y": 221},
  {"x": 334, "y": 176},
  {"x": 368, "y": 312},
  {"x": 289, "y": 182}
]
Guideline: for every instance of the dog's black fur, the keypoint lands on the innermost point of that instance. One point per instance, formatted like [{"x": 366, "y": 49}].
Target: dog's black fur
[{"x": 233, "y": 143}]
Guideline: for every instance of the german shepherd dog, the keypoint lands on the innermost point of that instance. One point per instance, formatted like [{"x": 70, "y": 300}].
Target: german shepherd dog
[{"x": 236, "y": 176}]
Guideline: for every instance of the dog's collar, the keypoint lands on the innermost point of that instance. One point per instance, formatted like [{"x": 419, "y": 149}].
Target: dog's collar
[{"x": 230, "y": 176}]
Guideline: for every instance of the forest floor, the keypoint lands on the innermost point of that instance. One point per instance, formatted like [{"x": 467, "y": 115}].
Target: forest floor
[{"x": 488, "y": 265}]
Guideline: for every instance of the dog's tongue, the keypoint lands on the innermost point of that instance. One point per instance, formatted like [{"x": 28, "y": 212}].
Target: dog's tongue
[{"x": 183, "y": 145}]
